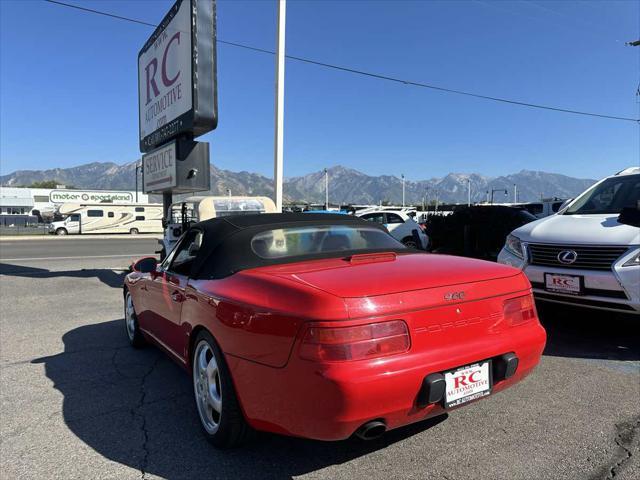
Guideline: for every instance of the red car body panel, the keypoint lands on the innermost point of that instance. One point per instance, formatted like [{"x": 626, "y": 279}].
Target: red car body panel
[{"x": 259, "y": 317}]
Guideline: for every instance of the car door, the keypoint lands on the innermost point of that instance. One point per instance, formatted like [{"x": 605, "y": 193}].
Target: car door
[
  {"x": 166, "y": 293},
  {"x": 393, "y": 221},
  {"x": 74, "y": 223}
]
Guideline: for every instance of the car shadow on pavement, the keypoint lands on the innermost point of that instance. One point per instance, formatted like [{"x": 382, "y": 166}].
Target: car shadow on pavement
[
  {"x": 586, "y": 333},
  {"x": 111, "y": 277},
  {"x": 135, "y": 407}
]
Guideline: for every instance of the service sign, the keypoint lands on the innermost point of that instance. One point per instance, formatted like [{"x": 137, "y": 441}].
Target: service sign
[
  {"x": 159, "y": 169},
  {"x": 177, "y": 75}
]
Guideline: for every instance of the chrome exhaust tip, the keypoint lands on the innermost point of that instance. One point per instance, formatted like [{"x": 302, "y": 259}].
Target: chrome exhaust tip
[{"x": 371, "y": 430}]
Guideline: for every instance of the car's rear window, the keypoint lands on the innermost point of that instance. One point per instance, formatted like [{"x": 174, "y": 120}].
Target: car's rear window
[{"x": 300, "y": 241}]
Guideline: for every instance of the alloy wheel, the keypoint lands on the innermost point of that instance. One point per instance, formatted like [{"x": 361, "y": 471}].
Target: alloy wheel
[
  {"x": 207, "y": 387},
  {"x": 129, "y": 316}
]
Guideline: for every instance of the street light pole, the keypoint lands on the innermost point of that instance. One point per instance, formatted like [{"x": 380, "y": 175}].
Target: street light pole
[
  {"x": 326, "y": 189},
  {"x": 402, "y": 176},
  {"x": 469, "y": 192},
  {"x": 515, "y": 193},
  {"x": 498, "y": 190},
  {"x": 278, "y": 174}
]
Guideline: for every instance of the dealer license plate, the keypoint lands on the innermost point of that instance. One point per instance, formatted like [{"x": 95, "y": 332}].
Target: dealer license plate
[
  {"x": 571, "y": 284},
  {"x": 467, "y": 383}
]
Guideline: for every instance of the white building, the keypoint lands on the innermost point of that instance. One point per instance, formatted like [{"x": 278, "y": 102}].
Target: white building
[{"x": 23, "y": 201}]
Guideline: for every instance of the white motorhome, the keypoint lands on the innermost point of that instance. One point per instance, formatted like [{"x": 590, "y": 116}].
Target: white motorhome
[
  {"x": 198, "y": 208},
  {"x": 92, "y": 218}
]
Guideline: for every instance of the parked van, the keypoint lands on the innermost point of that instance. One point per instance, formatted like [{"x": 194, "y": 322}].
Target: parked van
[
  {"x": 195, "y": 209},
  {"x": 85, "y": 218}
]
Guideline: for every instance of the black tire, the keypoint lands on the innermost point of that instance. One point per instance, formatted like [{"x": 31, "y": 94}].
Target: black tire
[
  {"x": 61, "y": 231},
  {"x": 409, "y": 242},
  {"x": 131, "y": 327},
  {"x": 231, "y": 429},
  {"x": 134, "y": 231}
]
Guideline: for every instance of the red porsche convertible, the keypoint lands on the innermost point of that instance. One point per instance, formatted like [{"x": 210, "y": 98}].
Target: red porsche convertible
[{"x": 323, "y": 325}]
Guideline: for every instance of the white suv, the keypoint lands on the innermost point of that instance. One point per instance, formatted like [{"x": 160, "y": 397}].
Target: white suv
[
  {"x": 588, "y": 254},
  {"x": 400, "y": 225}
]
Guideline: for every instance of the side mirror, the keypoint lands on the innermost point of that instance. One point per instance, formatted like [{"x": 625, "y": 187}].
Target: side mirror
[
  {"x": 630, "y": 216},
  {"x": 145, "y": 265}
]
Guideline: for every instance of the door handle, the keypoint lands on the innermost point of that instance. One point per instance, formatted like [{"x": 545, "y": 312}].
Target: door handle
[{"x": 177, "y": 297}]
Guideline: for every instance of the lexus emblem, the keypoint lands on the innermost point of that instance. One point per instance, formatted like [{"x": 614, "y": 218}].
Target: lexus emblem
[{"x": 567, "y": 257}]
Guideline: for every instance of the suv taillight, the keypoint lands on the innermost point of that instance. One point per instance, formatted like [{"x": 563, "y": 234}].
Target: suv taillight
[
  {"x": 338, "y": 344},
  {"x": 519, "y": 310}
]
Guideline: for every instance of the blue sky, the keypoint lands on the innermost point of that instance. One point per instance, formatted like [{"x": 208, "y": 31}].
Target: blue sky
[{"x": 68, "y": 86}]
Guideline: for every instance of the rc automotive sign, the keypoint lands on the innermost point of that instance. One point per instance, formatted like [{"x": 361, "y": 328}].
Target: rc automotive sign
[{"x": 177, "y": 77}]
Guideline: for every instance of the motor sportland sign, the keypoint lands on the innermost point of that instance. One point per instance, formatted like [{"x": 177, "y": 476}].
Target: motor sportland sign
[
  {"x": 88, "y": 196},
  {"x": 177, "y": 91}
]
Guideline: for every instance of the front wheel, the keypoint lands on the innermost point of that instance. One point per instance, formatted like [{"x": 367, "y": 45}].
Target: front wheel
[
  {"x": 134, "y": 231},
  {"x": 136, "y": 339},
  {"x": 61, "y": 231},
  {"x": 221, "y": 419}
]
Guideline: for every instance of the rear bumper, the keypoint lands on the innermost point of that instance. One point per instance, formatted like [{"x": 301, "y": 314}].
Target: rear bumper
[{"x": 330, "y": 401}]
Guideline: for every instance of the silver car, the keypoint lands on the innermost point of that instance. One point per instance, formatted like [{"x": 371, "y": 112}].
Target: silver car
[{"x": 588, "y": 254}]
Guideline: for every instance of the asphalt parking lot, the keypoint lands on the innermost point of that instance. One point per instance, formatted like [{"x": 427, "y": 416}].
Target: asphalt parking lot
[{"x": 77, "y": 402}]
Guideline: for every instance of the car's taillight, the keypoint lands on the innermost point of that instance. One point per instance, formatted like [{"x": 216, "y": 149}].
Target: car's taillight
[
  {"x": 519, "y": 310},
  {"x": 339, "y": 344}
]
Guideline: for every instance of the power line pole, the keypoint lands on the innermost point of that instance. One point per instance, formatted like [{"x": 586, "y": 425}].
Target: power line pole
[
  {"x": 278, "y": 161},
  {"x": 469, "y": 192},
  {"x": 402, "y": 176},
  {"x": 515, "y": 193}
]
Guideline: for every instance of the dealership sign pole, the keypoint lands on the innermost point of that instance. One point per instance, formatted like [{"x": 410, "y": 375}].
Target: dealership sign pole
[{"x": 177, "y": 100}]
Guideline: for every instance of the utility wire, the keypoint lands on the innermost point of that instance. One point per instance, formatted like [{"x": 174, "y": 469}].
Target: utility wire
[{"x": 364, "y": 73}]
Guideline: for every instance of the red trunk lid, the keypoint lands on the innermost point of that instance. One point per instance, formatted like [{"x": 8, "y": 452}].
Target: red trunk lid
[{"x": 404, "y": 273}]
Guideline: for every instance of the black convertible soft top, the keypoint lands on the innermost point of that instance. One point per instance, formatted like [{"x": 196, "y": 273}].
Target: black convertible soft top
[{"x": 226, "y": 246}]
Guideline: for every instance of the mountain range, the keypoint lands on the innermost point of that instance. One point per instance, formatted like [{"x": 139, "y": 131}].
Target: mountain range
[{"x": 345, "y": 184}]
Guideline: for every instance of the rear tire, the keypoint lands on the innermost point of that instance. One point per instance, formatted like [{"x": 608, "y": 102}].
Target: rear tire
[
  {"x": 61, "y": 231},
  {"x": 409, "y": 242},
  {"x": 131, "y": 326},
  {"x": 134, "y": 231},
  {"x": 221, "y": 418}
]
